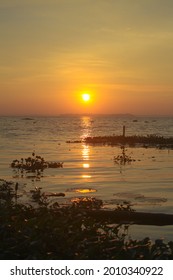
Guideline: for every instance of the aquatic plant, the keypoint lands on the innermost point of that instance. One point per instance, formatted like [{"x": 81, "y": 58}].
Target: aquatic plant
[
  {"x": 34, "y": 164},
  {"x": 123, "y": 158},
  {"x": 150, "y": 140}
]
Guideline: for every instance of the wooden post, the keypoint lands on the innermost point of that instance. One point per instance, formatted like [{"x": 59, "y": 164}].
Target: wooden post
[{"x": 124, "y": 130}]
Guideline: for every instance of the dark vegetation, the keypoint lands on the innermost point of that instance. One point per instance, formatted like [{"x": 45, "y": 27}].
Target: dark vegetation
[
  {"x": 34, "y": 164},
  {"x": 77, "y": 231},
  {"x": 123, "y": 158},
  {"x": 144, "y": 141}
]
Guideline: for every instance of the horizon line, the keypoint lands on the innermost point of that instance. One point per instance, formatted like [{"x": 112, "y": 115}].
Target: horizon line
[{"x": 86, "y": 114}]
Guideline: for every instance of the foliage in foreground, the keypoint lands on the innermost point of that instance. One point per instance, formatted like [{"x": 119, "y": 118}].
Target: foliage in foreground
[{"x": 52, "y": 232}]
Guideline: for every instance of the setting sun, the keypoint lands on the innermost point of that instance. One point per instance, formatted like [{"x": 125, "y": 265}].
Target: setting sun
[{"x": 86, "y": 97}]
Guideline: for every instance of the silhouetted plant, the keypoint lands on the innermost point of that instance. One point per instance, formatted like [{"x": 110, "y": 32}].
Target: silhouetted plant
[
  {"x": 123, "y": 158},
  {"x": 39, "y": 197},
  {"x": 35, "y": 164},
  {"x": 8, "y": 190}
]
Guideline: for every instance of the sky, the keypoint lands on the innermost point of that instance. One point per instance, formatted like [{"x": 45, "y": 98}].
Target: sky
[{"x": 118, "y": 51}]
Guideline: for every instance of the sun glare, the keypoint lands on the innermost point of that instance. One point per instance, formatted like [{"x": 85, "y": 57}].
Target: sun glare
[{"x": 86, "y": 97}]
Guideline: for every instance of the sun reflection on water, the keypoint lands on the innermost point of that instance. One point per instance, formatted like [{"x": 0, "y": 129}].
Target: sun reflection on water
[
  {"x": 86, "y": 165},
  {"x": 86, "y": 158},
  {"x": 85, "y": 176},
  {"x": 85, "y": 152},
  {"x": 85, "y": 190},
  {"x": 86, "y": 123}
]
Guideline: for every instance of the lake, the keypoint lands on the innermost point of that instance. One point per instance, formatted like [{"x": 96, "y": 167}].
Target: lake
[{"x": 90, "y": 171}]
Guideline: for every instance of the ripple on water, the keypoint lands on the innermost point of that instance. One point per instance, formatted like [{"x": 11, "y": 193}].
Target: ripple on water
[{"x": 141, "y": 198}]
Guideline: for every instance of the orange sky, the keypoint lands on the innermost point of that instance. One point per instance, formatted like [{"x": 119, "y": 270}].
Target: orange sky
[{"x": 118, "y": 51}]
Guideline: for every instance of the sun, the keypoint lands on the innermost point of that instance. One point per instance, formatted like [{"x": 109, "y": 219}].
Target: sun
[{"x": 86, "y": 97}]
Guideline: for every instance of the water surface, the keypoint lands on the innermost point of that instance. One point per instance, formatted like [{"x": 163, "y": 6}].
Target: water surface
[{"x": 90, "y": 170}]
